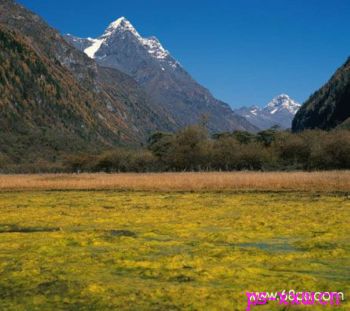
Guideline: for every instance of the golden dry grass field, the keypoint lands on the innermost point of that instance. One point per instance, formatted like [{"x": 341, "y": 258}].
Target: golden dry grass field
[
  {"x": 89, "y": 242},
  {"x": 336, "y": 181}
]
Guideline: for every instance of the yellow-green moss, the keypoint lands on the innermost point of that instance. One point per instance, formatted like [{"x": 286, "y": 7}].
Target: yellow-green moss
[{"x": 168, "y": 251}]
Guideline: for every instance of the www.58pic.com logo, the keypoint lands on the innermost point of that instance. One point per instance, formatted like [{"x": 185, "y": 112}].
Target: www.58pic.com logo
[{"x": 294, "y": 298}]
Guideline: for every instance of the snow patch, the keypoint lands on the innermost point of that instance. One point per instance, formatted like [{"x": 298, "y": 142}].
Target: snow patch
[
  {"x": 91, "y": 50},
  {"x": 154, "y": 47}
]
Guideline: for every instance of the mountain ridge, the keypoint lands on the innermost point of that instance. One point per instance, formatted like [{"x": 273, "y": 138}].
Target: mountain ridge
[
  {"x": 163, "y": 78},
  {"x": 280, "y": 112}
]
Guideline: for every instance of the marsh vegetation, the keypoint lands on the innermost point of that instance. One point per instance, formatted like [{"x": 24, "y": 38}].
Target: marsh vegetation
[{"x": 168, "y": 250}]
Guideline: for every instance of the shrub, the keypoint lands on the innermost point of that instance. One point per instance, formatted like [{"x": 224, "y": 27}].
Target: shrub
[
  {"x": 226, "y": 153},
  {"x": 253, "y": 157}
]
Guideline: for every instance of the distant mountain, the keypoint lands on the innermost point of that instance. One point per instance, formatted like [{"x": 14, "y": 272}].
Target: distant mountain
[
  {"x": 329, "y": 107},
  {"x": 164, "y": 79},
  {"x": 280, "y": 111}
]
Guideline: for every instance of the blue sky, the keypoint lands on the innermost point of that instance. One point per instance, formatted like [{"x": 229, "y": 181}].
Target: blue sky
[{"x": 244, "y": 51}]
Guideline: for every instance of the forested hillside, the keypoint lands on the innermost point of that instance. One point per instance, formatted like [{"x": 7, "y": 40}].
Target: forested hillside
[
  {"x": 55, "y": 100},
  {"x": 43, "y": 109},
  {"x": 329, "y": 107}
]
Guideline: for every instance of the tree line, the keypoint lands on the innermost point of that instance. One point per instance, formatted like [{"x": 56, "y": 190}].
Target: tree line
[{"x": 193, "y": 149}]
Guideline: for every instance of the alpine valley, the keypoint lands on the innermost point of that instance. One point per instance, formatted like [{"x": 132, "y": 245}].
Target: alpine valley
[
  {"x": 55, "y": 99},
  {"x": 62, "y": 95}
]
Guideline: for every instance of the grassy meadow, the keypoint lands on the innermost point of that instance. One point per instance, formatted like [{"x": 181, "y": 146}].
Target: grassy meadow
[{"x": 107, "y": 242}]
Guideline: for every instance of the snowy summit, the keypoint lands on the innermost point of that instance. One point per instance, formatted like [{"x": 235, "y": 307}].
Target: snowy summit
[
  {"x": 123, "y": 27},
  {"x": 283, "y": 102},
  {"x": 280, "y": 111}
]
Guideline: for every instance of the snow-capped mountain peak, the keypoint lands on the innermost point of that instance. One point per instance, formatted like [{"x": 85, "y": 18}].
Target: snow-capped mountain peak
[
  {"x": 124, "y": 30},
  {"x": 121, "y": 24},
  {"x": 282, "y": 102},
  {"x": 165, "y": 82},
  {"x": 280, "y": 111}
]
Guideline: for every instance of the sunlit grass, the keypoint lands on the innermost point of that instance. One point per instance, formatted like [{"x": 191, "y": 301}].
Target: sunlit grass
[{"x": 108, "y": 250}]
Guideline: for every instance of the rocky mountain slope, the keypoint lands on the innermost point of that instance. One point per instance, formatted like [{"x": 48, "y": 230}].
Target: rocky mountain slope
[
  {"x": 279, "y": 112},
  {"x": 55, "y": 98},
  {"x": 164, "y": 79},
  {"x": 329, "y": 107}
]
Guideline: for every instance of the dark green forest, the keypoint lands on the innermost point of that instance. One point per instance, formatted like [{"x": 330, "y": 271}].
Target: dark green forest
[{"x": 193, "y": 149}]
